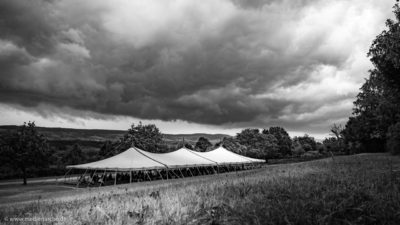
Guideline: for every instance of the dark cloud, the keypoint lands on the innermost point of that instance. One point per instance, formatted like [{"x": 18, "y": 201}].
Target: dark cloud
[{"x": 238, "y": 63}]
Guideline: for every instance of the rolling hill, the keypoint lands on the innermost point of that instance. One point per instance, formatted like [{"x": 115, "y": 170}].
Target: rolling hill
[{"x": 94, "y": 137}]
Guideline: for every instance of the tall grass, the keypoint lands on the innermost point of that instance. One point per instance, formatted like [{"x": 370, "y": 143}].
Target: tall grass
[{"x": 361, "y": 189}]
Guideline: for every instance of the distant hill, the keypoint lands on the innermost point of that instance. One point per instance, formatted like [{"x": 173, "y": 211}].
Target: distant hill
[{"x": 87, "y": 136}]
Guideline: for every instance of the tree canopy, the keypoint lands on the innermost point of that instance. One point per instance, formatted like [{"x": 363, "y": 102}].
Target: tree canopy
[
  {"x": 202, "y": 145},
  {"x": 258, "y": 144},
  {"x": 74, "y": 156},
  {"x": 146, "y": 137},
  {"x": 377, "y": 107},
  {"x": 284, "y": 141},
  {"x": 24, "y": 149}
]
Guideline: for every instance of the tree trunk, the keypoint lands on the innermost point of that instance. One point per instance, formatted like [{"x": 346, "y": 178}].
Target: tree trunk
[{"x": 24, "y": 175}]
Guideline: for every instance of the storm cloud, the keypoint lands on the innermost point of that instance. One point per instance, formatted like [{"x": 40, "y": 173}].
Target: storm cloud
[{"x": 236, "y": 63}]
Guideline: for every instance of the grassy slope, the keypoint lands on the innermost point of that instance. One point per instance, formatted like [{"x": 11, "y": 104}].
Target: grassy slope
[{"x": 360, "y": 189}]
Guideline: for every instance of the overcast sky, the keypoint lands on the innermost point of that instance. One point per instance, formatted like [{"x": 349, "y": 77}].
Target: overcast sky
[{"x": 188, "y": 66}]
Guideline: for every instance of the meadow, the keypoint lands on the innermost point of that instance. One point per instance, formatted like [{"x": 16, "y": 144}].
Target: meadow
[{"x": 357, "y": 189}]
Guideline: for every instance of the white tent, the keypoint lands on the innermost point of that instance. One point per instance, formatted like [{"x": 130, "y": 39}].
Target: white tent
[
  {"x": 252, "y": 159},
  {"x": 179, "y": 159},
  {"x": 131, "y": 159},
  {"x": 223, "y": 157},
  {"x": 137, "y": 159}
]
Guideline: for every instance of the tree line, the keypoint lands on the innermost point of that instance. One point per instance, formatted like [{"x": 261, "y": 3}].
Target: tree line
[
  {"x": 27, "y": 151},
  {"x": 375, "y": 123}
]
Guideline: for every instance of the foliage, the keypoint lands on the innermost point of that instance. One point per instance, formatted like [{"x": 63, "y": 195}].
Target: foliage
[
  {"x": 25, "y": 149},
  {"x": 332, "y": 144},
  {"x": 146, "y": 137},
  {"x": 384, "y": 52},
  {"x": 233, "y": 145},
  {"x": 284, "y": 141},
  {"x": 393, "y": 141},
  {"x": 259, "y": 145},
  {"x": 106, "y": 150},
  {"x": 307, "y": 143},
  {"x": 74, "y": 156},
  {"x": 184, "y": 144},
  {"x": 378, "y": 104},
  {"x": 202, "y": 145},
  {"x": 298, "y": 149}
]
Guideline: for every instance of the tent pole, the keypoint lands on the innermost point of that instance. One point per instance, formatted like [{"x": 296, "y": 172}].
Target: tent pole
[
  {"x": 65, "y": 175},
  {"x": 181, "y": 173},
  {"x": 205, "y": 170},
  {"x": 115, "y": 180},
  {"x": 91, "y": 178},
  {"x": 167, "y": 173},
  {"x": 130, "y": 176},
  {"x": 103, "y": 177},
  {"x": 174, "y": 173},
  {"x": 148, "y": 175},
  {"x": 160, "y": 174},
  {"x": 214, "y": 170},
  {"x": 199, "y": 170},
  {"x": 190, "y": 171},
  {"x": 83, "y": 176}
]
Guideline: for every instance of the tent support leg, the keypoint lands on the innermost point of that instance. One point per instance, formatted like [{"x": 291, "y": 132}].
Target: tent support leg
[
  {"x": 91, "y": 178},
  {"x": 214, "y": 170},
  {"x": 160, "y": 174},
  {"x": 190, "y": 171},
  {"x": 167, "y": 174},
  {"x": 103, "y": 177},
  {"x": 206, "y": 170},
  {"x": 199, "y": 171},
  {"x": 130, "y": 176},
  {"x": 65, "y": 175},
  {"x": 115, "y": 180},
  {"x": 148, "y": 175},
  {"x": 174, "y": 173},
  {"x": 82, "y": 177},
  {"x": 181, "y": 173}
]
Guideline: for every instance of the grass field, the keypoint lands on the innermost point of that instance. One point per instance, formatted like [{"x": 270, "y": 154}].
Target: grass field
[{"x": 358, "y": 189}]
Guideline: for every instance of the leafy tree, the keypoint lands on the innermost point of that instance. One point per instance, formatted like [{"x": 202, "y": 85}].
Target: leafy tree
[
  {"x": 74, "y": 156},
  {"x": 378, "y": 104},
  {"x": 384, "y": 52},
  {"x": 284, "y": 141},
  {"x": 336, "y": 143},
  {"x": 232, "y": 145},
  {"x": 202, "y": 145},
  {"x": 249, "y": 137},
  {"x": 185, "y": 144},
  {"x": 297, "y": 148},
  {"x": 106, "y": 150},
  {"x": 258, "y": 145},
  {"x": 332, "y": 144},
  {"x": 25, "y": 149},
  {"x": 146, "y": 137},
  {"x": 307, "y": 143},
  {"x": 188, "y": 146}
]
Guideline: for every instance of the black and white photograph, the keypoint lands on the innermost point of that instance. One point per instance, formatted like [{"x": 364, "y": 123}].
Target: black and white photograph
[{"x": 214, "y": 112}]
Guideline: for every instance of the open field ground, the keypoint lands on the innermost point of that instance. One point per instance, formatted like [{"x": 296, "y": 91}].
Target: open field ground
[{"x": 358, "y": 189}]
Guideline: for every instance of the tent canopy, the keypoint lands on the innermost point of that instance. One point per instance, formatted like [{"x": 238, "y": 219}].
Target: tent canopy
[
  {"x": 130, "y": 159},
  {"x": 223, "y": 156},
  {"x": 179, "y": 158},
  {"x": 137, "y": 159}
]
